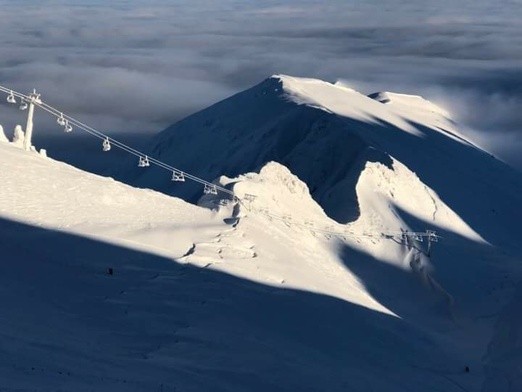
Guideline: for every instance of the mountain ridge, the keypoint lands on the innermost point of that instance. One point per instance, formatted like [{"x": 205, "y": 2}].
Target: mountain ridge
[{"x": 324, "y": 134}]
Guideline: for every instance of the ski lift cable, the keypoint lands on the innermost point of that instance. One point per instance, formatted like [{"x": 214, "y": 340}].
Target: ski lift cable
[
  {"x": 187, "y": 175},
  {"x": 133, "y": 151},
  {"x": 116, "y": 143},
  {"x": 55, "y": 112},
  {"x": 71, "y": 120}
]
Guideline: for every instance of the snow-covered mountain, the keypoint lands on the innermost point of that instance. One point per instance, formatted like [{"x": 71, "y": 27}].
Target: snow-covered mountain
[
  {"x": 325, "y": 134},
  {"x": 215, "y": 296}
]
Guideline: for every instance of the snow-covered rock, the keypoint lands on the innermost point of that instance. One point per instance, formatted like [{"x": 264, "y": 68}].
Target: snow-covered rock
[
  {"x": 18, "y": 136},
  {"x": 3, "y": 138}
]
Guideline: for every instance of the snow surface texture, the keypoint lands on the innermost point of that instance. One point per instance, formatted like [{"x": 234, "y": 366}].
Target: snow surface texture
[{"x": 224, "y": 297}]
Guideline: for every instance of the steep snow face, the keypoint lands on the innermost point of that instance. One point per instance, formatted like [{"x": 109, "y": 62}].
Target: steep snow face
[
  {"x": 385, "y": 193},
  {"x": 325, "y": 134}
]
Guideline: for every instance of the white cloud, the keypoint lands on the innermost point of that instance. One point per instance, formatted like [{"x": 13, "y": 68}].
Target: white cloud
[{"x": 143, "y": 65}]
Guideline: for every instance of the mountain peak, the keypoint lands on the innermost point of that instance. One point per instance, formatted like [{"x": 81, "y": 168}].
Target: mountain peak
[
  {"x": 412, "y": 102},
  {"x": 295, "y": 83}
]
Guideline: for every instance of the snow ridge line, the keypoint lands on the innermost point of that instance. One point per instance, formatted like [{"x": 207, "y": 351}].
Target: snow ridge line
[{"x": 35, "y": 100}]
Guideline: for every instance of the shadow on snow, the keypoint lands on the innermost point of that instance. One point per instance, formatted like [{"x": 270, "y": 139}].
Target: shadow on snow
[{"x": 158, "y": 325}]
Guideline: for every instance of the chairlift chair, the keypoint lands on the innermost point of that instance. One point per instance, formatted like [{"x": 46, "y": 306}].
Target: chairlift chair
[
  {"x": 67, "y": 127},
  {"x": 11, "y": 98},
  {"x": 144, "y": 162},
  {"x": 106, "y": 145},
  {"x": 61, "y": 120},
  {"x": 23, "y": 105},
  {"x": 178, "y": 176},
  {"x": 210, "y": 190}
]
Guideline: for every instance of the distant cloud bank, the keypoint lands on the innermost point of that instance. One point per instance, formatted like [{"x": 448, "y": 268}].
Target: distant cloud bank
[{"x": 140, "y": 66}]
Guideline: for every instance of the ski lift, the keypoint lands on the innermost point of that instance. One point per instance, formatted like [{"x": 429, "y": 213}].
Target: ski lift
[
  {"x": 23, "y": 105},
  {"x": 106, "y": 145},
  {"x": 210, "y": 189},
  {"x": 144, "y": 162},
  {"x": 178, "y": 176},
  {"x": 417, "y": 237},
  {"x": 68, "y": 127},
  {"x": 61, "y": 120},
  {"x": 11, "y": 98}
]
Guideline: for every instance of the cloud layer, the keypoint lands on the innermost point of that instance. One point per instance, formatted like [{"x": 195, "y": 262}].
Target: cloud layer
[{"x": 140, "y": 66}]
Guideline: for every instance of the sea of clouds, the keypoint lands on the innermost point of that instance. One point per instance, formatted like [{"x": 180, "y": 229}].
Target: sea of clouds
[{"x": 136, "y": 66}]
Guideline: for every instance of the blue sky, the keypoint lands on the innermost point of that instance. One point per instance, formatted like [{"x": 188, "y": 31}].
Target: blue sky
[{"x": 140, "y": 66}]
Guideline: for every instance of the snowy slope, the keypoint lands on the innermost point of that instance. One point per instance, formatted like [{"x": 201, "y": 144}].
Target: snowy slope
[
  {"x": 160, "y": 324},
  {"x": 224, "y": 297}
]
